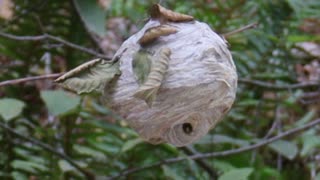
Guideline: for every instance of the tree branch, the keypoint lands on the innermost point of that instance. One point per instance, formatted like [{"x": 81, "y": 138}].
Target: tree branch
[
  {"x": 219, "y": 154},
  {"x": 240, "y": 80},
  {"x": 249, "y": 26},
  {"x": 53, "y": 38},
  {"x": 34, "y": 78},
  {"x": 278, "y": 87},
  {"x": 48, "y": 148}
]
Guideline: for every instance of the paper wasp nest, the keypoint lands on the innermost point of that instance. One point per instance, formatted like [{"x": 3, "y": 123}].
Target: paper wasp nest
[
  {"x": 198, "y": 88},
  {"x": 190, "y": 87}
]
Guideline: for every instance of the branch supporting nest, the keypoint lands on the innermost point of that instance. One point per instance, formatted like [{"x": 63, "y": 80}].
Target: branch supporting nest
[
  {"x": 240, "y": 80},
  {"x": 34, "y": 78}
]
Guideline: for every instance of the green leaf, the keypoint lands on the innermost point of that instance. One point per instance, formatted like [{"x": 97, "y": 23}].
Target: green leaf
[
  {"x": 130, "y": 144},
  {"x": 218, "y": 139},
  {"x": 65, "y": 166},
  {"x": 141, "y": 65},
  {"x": 249, "y": 102},
  {"x": 285, "y": 148},
  {"x": 93, "y": 15},
  {"x": 10, "y": 108},
  {"x": 309, "y": 142},
  {"x": 170, "y": 173},
  {"x": 306, "y": 118},
  {"x": 238, "y": 174},
  {"x": 106, "y": 148},
  {"x": 223, "y": 166},
  {"x": 18, "y": 176},
  {"x": 28, "y": 166},
  {"x": 90, "y": 152},
  {"x": 317, "y": 176},
  {"x": 305, "y": 9},
  {"x": 92, "y": 76},
  {"x": 60, "y": 102},
  {"x": 302, "y": 38},
  {"x": 269, "y": 173}
]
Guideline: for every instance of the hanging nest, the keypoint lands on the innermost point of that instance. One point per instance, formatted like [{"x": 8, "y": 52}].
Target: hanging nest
[{"x": 174, "y": 80}]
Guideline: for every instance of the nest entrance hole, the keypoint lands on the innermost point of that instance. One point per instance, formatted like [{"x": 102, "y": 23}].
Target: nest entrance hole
[{"x": 187, "y": 128}]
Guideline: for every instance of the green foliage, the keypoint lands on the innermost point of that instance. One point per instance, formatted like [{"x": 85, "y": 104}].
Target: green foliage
[
  {"x": 285, "y": 148},
  {"x": 10, "y": 108},
  {"x": 60, "y": 102},
  {"x": 241, "y": 174},
  {"x": 100, "y": 142},
  {"x": 141, "y": 65},
  {"x": 92, "y": 15}
]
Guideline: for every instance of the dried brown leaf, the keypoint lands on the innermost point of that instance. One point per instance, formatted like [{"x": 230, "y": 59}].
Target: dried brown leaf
[
  {"x": 155, "y": 32},
  {"x": 148, "y": 91},
  {"x": 93, "y": 76},
  {"x": 158, "y": 12}
]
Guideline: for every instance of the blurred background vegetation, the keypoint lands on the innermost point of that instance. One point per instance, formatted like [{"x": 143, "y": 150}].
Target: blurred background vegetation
[{"x": 279, "y": 75}]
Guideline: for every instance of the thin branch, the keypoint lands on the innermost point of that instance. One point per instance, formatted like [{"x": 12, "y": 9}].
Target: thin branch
[
  {"x": 48, "y": 148},
  {"x": 246, "y": 81},
  {"x": 279, "y": 87},
  {"x": 53, "y": 38},
  {"x": 274, "y": 125},
  {"x": 34, "y": 78},
  {"x": 219, "y": 154},
  {"x": 247, "y": 27}
]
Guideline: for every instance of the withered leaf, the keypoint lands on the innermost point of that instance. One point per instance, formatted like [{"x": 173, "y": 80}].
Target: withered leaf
[
  {"x": 141, "y": 65},
  {"x": 92, "y": 76},
  {"x": 159, "y": 12},
  {"x": 149, "y": 89},
  {"x": 153, "y": 33}
]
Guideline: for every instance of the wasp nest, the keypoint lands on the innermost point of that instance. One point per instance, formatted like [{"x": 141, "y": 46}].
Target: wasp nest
[{"x": 176, "y": 81}]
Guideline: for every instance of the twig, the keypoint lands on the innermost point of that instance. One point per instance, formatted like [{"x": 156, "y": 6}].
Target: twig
[
  {"x": 249, "y": 26},
  {"x": 279, "y": 87},
  {"x": 203, "y": 164},
  {"x": 53, "y": 38},
  {"x": 34, "y": 78},
  {"x": 276, "y": 121},
  {"x": 219, "y": 154},
  {"x": 48, "y": 148}
]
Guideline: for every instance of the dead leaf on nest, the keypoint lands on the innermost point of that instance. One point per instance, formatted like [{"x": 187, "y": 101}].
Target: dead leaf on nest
[
  {"x": 149, "y": 89},
  {"x": 158, "y": 12},
  {"x": 91, "y": 76},
  {"x": 153, "y": 33}
]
